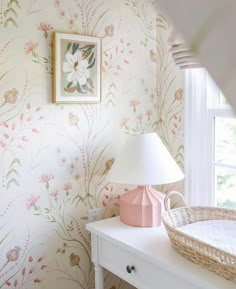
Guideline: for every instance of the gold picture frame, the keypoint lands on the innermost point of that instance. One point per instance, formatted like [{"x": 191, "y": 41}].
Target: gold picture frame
[{"x": 76, "y": 68}]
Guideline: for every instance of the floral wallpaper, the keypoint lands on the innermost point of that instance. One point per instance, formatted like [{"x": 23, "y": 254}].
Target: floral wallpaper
[{"x": 54, "y": 158}]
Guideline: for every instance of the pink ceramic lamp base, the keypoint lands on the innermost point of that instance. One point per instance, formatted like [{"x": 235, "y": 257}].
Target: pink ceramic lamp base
[{"x": 142, "y": 207}]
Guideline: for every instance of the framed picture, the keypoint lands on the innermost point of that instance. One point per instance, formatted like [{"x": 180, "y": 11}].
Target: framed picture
[{"x": 76, "y": 68}]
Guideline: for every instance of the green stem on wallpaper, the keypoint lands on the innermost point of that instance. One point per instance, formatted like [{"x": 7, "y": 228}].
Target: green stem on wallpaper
[
  {"x": 98, "y": 21},
  {"x": 87, "y": 117},
  {"x": 94, "y": 167},
  {"x": 75, "y": 240},
  {"x": 4, "y": 74},
  {"x": 159, "y": 126},
  {"x": 164, "y": 97},
  {"x": 2, "y": 240},
  {"x": 164, "y": 136},
  {"x": 171, "y": 107},
  {"x": 58, "y": 213},
  {"x": 97, "y": 195},
  {"x": 84, "y": 275},
  {"x": 150, "y": 37},
  {"x": 178, "y": 112}
]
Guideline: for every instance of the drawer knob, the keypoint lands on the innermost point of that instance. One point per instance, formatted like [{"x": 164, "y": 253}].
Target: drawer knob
[{"x": 129, "y": 269}]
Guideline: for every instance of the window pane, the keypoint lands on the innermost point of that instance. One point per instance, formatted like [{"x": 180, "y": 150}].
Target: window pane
[
  {"x": 225, "y": 140},
  {"x": 225, "y": 187}
]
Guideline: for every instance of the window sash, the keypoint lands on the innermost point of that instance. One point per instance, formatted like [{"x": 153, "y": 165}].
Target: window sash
[
  {"x": 196, "y": 137},
  {"x": 202, "y": 105}
]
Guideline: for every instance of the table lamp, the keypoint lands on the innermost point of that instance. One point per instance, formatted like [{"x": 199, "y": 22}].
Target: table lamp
[{"x": 143, "y": 160}]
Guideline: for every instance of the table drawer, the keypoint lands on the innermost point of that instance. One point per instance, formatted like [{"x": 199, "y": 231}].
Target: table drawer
[{"x": 145, "y": 275}]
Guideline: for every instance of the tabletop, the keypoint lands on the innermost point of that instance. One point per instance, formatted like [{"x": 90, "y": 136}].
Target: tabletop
[{"x": 153, "y": 244}]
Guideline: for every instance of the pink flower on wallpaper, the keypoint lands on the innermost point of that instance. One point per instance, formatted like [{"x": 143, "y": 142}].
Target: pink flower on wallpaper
[
  {"x": 70, "y": 22},
  {"x": 38, "y": 108},
  {"x": 30, "y": 259},
  {"x": 63, "y": 160},
  {"x": 77, "y": 177},
  {"x": 140, "y": 117},
  {"x": 24, "y": 138},
  {"x": 35, "y": 130},
  {"x": 67, "y": 186},
  {"x": 21, "y": 117},
  {"x": 62, "y": 13},
  {"x": 149, "y": 113},
  {"x": 31, "y": 202},
  {"x": 46, "y": 178},
  {"x": 134, "y": 103},
  {"x": 2, "y": 144},
  {"x": 57, "y": 2},
  {"x": 54, "y": 194},
  {"x": 76, "y": 15},
  {"x": 124, "y": 122},
  {"x": 30, "y": 47},
  {"x": 8, "y": 283},
  {"x": 72, "y": 167},
  {"x": 45, "y": 27},
  {"x": 152, "y": 96}
]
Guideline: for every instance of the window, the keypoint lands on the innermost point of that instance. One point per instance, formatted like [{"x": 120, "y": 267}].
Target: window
[{"x": 210, "y": 143}]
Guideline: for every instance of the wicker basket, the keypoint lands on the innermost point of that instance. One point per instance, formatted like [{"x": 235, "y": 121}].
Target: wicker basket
[{"x": 197, "y": 251}]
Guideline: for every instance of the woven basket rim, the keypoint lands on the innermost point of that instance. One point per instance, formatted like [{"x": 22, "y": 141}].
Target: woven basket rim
[
  {"x": 188, "y": 236},
  {"x": 202, "y": 207}
]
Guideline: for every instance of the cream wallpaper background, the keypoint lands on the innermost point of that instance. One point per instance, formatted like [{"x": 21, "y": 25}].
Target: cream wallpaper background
[{"x": 54, "y": 158}]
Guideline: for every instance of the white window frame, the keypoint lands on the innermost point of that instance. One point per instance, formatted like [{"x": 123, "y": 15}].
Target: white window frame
[{"x": 200, "y": 111}]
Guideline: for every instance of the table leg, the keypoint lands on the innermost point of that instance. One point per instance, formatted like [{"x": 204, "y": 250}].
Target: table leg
[{"x": 99, "y": 276}]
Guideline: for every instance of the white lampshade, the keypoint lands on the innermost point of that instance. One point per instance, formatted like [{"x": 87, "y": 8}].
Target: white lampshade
[{"x": 144, "y": 160}]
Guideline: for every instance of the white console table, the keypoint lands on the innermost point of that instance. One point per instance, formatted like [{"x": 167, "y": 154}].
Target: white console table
[{"x": 144, "y": 258}]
